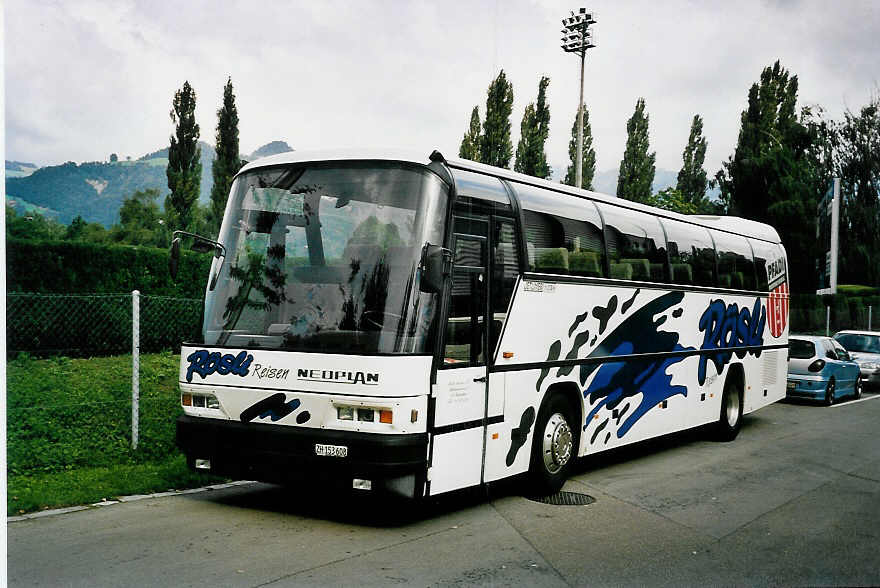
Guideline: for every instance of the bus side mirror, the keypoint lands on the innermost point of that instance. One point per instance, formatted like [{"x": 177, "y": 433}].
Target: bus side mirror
[
  {"x": 434, "y": 267},
  {"x": 174, "y": 259}
]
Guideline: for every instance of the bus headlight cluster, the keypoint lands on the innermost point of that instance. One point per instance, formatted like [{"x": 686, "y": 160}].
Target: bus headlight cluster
[
  {"x": 199, "y": 400},
  {"x": 363, "y": 414}
]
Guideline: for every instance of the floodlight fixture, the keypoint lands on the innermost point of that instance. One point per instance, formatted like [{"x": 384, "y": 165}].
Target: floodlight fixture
[{"x": 577, "y": 37}]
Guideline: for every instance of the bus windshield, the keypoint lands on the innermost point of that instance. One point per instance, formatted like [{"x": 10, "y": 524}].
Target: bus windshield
[{"x": 324, "y": 257}]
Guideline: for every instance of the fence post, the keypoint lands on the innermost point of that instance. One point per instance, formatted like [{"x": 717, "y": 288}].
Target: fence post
[
  {"x": 135, "y": 364},
  {"x": 828, "y": 321},
  {"x": 869, "y": 317}
]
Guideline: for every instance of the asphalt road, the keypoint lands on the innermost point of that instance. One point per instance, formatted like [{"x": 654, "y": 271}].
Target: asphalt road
[{"x": 794, "y": 500}]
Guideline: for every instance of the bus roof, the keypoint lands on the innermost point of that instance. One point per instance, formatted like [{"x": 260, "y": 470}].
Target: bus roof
[{"x": 730, "y": 224}]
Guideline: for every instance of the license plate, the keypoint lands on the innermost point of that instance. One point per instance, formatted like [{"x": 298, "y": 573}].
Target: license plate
[
  {"x": 791, "y": 385},
  {"x": 331, "y": 450}
]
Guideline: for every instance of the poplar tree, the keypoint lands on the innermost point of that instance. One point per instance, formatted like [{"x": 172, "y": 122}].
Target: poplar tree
[
  {"x": 692, "y": 177},
  {"x": 470, "y": 143},
  {"x": 534, "y": 129},
  {"x": 184, "y": 167},
  {"x": 227, "y": 162},
  {"x": 637, "y": 166},
  {"x": 496, "y": 147},
  {"x": 588, "y": 164}
]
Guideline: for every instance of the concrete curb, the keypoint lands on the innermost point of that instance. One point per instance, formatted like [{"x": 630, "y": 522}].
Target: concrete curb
[{"x": 122, "y": 499}]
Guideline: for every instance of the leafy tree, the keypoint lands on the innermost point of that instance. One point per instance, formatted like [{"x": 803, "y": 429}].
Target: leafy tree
[
  {"x": 495, "y": 144},
  {"x": 774, "y": 176},
  {"x": 588, "y": 163},
  {"x": 534, "y": 129},
  {"x": 470, "y": 143},
  {"x": 75, "y": 229},
  {"x": 114, "y": 158},
  {"x": 227, "y": 161},
  {"x": 184, "y": 166},
  {"x": 858, "y": 166},
  {"x": 637, "y": 166},
  {"x": 692, "y": 177},
  {"x": 141, "y": 222}
]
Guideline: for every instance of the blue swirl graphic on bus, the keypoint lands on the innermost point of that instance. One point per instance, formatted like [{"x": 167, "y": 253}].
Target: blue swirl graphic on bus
[
  {"x": 617, "y": 381},
  {"x": 205, "y": 363},
  {"x": 728, "y": 327}
]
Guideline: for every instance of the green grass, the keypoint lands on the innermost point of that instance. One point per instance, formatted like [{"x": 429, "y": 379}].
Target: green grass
[
  {"x": 69, "y": 430},
  {"x": 28, "y": 493}
]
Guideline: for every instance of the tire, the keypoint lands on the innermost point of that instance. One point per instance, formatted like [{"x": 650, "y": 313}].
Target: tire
[
  {"x": 857, "y": 389},
  {"x": 730, "y": 419},
  {"x": 829, "y": 392},
  {"x": 554, "y": 446}
]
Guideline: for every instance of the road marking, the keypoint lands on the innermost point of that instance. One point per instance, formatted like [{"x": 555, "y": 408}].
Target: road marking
[{"x": 862, "y": 399}]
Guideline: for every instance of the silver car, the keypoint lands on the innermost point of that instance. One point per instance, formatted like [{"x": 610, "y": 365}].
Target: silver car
[{"x": 864, "y": 348}]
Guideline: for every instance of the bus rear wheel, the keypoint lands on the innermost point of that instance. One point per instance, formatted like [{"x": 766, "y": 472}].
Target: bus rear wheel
[
  {"x": 730, "y": 420},
  {"x": 554, "y": 446}
]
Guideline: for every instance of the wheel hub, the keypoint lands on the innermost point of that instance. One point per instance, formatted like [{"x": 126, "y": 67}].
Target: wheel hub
[
  {"x": 732, "y": 408},
  {"x": 557, "y": 443}
]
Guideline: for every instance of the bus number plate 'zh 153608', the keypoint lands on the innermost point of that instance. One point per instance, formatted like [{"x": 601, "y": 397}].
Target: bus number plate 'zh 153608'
[{"x": 331, "y": 450}]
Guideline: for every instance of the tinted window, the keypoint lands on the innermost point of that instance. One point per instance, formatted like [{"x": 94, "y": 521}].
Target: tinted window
[
  {"x": 830, "y": 352},
  {"x": 801, "y": 349},
  {"x": 505, "y": 269},
  {"x": 636, "y": 245},
  {"x": 691, "y": 254},
  {"x": 736, "y": 268},
  {"x": 841, "y": 352},
  {"x": 764, "y": 253},
  {"x": 563, "y": 233},
  {"x": 480, "y": 186},
  {"x": 859, "y": 343}
]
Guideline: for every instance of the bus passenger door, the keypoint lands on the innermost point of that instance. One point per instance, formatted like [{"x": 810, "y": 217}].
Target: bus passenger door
[{"x": 460, "y": 394}]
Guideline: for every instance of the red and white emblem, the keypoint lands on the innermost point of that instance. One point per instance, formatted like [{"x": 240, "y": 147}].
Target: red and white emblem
[{"x": 777, "y": 309}]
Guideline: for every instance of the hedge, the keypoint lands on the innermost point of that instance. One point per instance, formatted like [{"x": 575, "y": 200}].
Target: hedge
[{"x": 77, "y": 267}]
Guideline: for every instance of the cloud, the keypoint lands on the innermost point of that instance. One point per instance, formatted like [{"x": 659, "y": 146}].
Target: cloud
[{"x": 89, "y": 79}]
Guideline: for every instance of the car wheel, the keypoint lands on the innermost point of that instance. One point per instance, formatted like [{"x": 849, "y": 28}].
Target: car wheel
[
  {"x": 554, "y": 446},
  {"x": 730, "y": 420},
  {"x": 857, "y": 390},
  {"x": 829, "y": 393}
]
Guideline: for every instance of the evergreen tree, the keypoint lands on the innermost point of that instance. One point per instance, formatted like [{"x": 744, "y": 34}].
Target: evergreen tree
[
  {"x": 470, "y": 143},
  {"x": 184, "y": 166},
  {"x": 227, "y": 161},
  {"x": 496, "y": 147},
  {"x": 534, "y": 129},
  {"x": 588, "y": 163},
  {"x": 692, "y": 177},
  {"x": 773, "y": 175},
  {"x": 637, "y": 166}
]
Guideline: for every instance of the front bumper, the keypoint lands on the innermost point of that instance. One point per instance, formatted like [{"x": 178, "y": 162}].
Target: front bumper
[
  {"x": 870, "y": 378},
  {"x": 286, "y": 454}
]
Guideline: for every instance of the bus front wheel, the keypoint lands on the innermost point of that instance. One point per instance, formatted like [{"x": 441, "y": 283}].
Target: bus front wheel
[
  {"x": 554, "y": 446},
  {"x": 730, "y": 420}
]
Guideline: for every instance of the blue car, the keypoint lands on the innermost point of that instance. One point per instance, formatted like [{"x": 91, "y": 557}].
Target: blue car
[{"x": 819, "y": 368}]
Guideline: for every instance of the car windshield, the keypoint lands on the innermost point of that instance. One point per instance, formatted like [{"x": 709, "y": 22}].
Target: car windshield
[
  {"x": 325, "y": 257},
  {"x": 859, "y": 343},
  {"x": 801, "y": 349}
]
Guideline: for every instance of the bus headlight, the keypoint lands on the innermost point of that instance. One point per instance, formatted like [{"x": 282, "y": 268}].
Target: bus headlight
[{"x": 345, "y": 413}]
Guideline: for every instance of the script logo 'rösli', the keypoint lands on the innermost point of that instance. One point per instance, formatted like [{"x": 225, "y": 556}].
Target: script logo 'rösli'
[{"x": 205, "y": 363}]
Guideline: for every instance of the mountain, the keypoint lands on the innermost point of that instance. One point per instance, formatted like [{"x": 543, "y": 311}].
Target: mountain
[
  {"x": 20, "y": 169},
  {"x": 95, "y": 190},
  {"x": 273, "y": 148}
]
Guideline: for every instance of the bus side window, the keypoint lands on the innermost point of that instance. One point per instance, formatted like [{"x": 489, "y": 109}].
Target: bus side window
[
  {"x": 636, "y": 245},
  {"x": 691, "y": 254},
  {"x": 736, "y": 268},
  {"x": 563, "y": 233},
  {"x": 505, "y": 269},
  {"x": 761, "y": 252}
]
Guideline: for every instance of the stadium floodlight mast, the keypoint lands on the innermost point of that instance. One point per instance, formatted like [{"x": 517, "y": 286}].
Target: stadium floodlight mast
[{"x": 577, "y": 37}]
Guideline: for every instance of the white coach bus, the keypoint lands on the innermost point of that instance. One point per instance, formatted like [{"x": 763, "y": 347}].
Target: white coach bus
[{"x": 418, "y": 325}]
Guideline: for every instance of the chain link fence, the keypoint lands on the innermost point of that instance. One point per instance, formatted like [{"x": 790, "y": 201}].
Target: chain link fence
[
  {"x": 43, "y": 325},
  {"x": 92, "y": 379}
]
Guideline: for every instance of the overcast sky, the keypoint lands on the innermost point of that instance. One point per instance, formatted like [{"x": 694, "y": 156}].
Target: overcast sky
[{"x": 84, "y": 79}]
